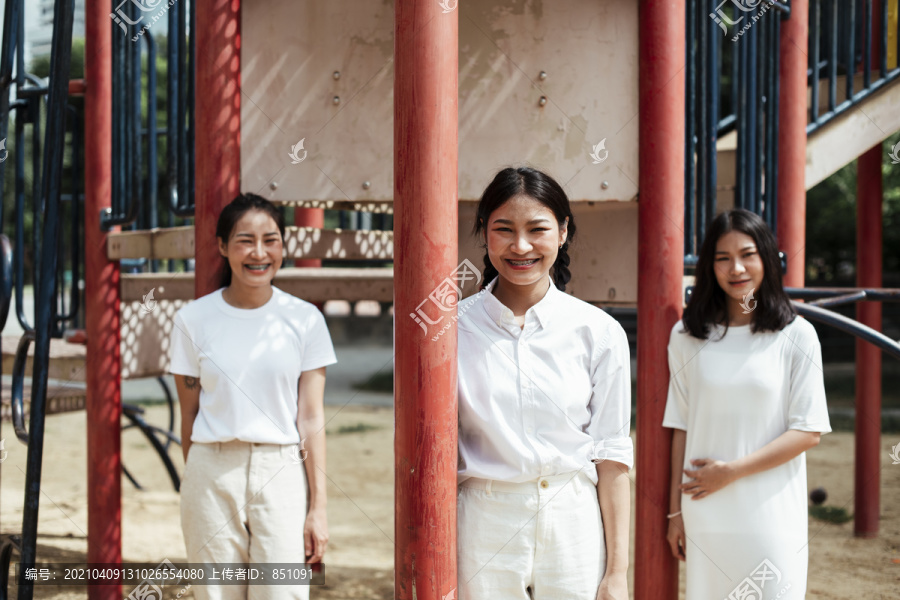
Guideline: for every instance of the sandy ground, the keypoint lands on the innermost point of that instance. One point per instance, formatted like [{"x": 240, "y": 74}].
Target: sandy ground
[{"x": 360, "y": 467}]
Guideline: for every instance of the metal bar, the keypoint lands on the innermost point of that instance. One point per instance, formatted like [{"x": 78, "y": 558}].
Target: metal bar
[
  {"x": 860, "y": 95},
  {"x": 752, "y": 149},
  {"x": 851, "y": 46},
  {"x": 60, "y": 58},
  {"x": 881, "y": 48},
  {"x": 152, "y": 203},
  {"x": 711, "y": 50},
  {"x": 839, "y": 300},
  {"x": 848, "y": 325},
  {"x": 867, "y": 43},
  {"x": 833, "y": 55},
  {"x": 814, "y": 39},
  {"x": 689, "y": 137},
  {"x": 774, "y": 116},
  {"x": 874, "y": 294}
]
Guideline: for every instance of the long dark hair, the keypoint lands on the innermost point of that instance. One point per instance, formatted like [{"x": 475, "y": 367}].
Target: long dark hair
[
  {"x": 232, "y": 213},
  {"x": 529, "y": 182},
  {"x": 708, "y": 304}
]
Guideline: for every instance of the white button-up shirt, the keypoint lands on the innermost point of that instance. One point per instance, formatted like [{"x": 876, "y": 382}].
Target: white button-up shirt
[{"x": 550, "y": 398}]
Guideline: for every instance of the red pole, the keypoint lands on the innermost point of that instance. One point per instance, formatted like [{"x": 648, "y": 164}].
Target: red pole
[
  {"x": 867, "y": 478},
  {"x": 218, "y": 130},
  {"x": 791, "y": 220},
  {"x": 660, "y": 269},
  {"x": 867, "y": 438},
  {"x": 426, "y": 216},
  {"x": 309, "y": 217},
  {"x": 101, "y": 298}
]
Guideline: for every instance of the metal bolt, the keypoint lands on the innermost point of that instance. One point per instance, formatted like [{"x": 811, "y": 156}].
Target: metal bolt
[
  {"x": 604, "y": 185},
  {"x": 366, "y": 185},
  {"x": 336, "y": 100},
  {"x": 543, "y": 75},
  {"x": 336, "y": 75},
  {"x": 543, "y": 100},
  {"x": 612, "y": 293},
  {"x": 273, "y": 186}
]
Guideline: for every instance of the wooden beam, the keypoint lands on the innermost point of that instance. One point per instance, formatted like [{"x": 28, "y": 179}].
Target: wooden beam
[
  {"x": 312, "y": 285},
  {"x": 300, "y": 242}
]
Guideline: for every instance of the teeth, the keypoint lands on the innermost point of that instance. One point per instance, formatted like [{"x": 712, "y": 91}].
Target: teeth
[
  {"x": 523, "y": 262},
  {"x": 257, "y": 267}
]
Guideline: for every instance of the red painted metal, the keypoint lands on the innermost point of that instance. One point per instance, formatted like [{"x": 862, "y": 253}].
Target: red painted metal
[
  {"x": 101, "y": 298},
  {"x": 792, "y": 141},
  {"x": 309, "y": 217},
  {"x": 425, "y": 222},
  {"x": 77, "y": 87},
  {"x": 867, "y": 478},
  {"x": 218, "y": 130},
  {"x": 660, "y": 269}
]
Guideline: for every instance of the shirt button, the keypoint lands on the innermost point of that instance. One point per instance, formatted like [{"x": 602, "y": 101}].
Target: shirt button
[
  {"x": 530, "y": 429},
  {"x": 544, "y": 484}
]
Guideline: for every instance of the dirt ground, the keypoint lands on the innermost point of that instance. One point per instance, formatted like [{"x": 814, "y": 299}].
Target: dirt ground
[{"x": 360, "y": 468}]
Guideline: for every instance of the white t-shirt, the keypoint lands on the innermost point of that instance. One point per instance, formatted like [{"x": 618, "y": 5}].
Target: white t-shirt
[{"x": 249, "y": 363}]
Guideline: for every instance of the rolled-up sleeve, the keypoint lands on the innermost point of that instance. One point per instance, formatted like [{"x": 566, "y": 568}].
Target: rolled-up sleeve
[
  {"x": 676, "y": 414},
  {"x": 610, "y": 405}
]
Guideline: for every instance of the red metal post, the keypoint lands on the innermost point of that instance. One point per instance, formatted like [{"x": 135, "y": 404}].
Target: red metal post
[
  {"x": 792, "y": 141},
  {"x": 218, "y": 130},
  {"x": 867, "y": 478},
  {"x": 867, "y": 438},
  {"x": 660, "y": 270},
  {"x": 426, "y": 216},
  {"x": 101, "y": 297},
  {"x": 309, "y": 217}
]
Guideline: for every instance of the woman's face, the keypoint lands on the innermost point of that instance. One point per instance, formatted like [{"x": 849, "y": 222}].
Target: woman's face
[
  {"x": 254, "y": 250},
  {"x": 738, "y": 266},
  {"x": 523, "y": 239}
]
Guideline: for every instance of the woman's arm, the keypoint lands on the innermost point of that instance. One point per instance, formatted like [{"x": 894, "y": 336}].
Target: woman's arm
[
  {"x": 675, "y": 535},
  {"x": 188, "y": 389},
  {"x": 311, "y": 425},
  {"x": 713, "y": 475},
  {"x": 614, "y": 494}
]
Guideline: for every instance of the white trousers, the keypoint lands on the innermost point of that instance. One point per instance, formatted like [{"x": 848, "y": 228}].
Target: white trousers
[
  {"x": 244, "y": 503},
  {"x": 540, "y": 540}
]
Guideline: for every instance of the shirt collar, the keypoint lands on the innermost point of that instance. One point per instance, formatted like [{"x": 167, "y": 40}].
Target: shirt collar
[{"x": 498, "y": 312}]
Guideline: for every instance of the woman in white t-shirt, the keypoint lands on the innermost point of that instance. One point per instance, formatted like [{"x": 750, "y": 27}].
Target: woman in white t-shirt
[
  {"x": 746, "y": 400},
  {"x": 249, "y": 363},
  {"x": 544, "y": 413}
]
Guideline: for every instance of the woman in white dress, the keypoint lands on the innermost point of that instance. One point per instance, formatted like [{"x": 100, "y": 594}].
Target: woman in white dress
[
  {"x": 249, "y": 361},
  {"x": 544, "y": 413},
  {"x": 746, "y": 400}
]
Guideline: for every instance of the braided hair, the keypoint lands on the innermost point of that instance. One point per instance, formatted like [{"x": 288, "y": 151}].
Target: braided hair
[{"x": 529, "y": 182}]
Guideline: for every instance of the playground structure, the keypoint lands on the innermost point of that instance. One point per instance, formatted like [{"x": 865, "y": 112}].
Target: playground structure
[{"x": 357, "y": 107}]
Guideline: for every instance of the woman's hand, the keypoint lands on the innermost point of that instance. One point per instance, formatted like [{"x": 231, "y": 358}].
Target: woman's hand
[
  {"x": 613, "y": 587},
  {"x": 711, "y": 476},
  {"x": 315, "y": 534},
  {"x": 676, "y": 539}
]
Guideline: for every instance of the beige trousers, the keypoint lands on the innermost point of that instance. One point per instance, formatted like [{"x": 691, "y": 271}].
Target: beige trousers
[
  {"x": 539, "y": 540},
  {"x": 244, "y": 503}
]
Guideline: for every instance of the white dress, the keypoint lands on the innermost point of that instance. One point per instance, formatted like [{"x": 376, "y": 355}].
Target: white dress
[{"x": 733, "y": 395}]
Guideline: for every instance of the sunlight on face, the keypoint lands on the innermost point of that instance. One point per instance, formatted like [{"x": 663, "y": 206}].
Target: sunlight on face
[
  {"x": 523, "y": 239},
  {"x": 254, "y": 250}
]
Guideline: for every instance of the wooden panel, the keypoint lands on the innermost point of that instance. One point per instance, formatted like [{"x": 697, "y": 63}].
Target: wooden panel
[
  {"x": 291, "y": 51},
  {"x": 60, "y": 399},
  {"x": 604, "y": 252},
  {"x": 66, "y": 360},
  {"x": 300, "y": 242},
  {"x": 311, "y": 284}
]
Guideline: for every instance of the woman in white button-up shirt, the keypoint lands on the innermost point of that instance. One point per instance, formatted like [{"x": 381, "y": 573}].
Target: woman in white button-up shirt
[{"x": 544, "y": 413}]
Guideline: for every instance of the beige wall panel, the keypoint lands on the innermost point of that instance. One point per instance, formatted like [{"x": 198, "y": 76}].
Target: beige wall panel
[
  {"x": 588, "y": 50},
  {"x": 604, "y": 253}
]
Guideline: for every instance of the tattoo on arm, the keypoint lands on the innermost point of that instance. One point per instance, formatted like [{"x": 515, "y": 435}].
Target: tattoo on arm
[{"x": 191, "y": 383}]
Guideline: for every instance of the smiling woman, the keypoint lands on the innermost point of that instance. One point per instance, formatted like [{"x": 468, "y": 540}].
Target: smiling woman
[
  {"x": 746, "y": 400},
  {"x": 249, "y": 363},
  {"x": 544, "y": 412}
]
